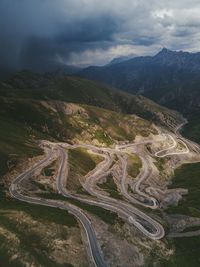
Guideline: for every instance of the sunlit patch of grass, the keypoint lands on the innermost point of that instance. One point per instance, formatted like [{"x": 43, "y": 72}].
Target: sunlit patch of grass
[
  {"x": 110, "y": 187},
  {"x": 134, "y": 165},
  {"x": 80, "y": 163}
]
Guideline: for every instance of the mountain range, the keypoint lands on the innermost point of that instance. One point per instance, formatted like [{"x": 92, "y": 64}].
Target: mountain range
[{"x": 169, "y": 78}]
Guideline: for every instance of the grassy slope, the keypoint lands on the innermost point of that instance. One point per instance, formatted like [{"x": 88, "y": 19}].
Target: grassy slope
[
  {"x": 111, "y": 188},
  {"x": 134, "y": 165},
  {"x": 80, "y": 163},
  {"x": 20, "y": 124},
  {"x": 14, "y": 142},
  {"x": 117, "y": 126},
  {"x": 186, "y": 249},
  {"x": 188, "y": 176},
  {"x": 78, "y": 90},
  {"x": 192, "y": 129},
  {"x": 22, "y": 121},
  {"x": 22, "y": 113}
]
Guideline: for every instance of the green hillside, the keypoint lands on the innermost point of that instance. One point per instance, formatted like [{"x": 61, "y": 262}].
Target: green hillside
[
  {"x": 78, "y": 90},
  {"x": 34, "y": 107},
  {"x": 24, "y": 121}
]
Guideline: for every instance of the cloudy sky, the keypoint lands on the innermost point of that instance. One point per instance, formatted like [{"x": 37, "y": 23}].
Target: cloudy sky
[{"x": 35, "y": 33}]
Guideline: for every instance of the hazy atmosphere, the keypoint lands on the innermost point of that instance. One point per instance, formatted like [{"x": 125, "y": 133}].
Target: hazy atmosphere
[{"x": 84, "y": 32}]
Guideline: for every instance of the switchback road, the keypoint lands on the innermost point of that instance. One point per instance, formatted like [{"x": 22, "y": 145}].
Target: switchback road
[{"x": 126, "y": 210}]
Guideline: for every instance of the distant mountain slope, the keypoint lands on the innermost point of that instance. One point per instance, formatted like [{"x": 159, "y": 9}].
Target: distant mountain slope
[
  {"x": 170, "y": 78},
  {"x": 120, "y": 59}
]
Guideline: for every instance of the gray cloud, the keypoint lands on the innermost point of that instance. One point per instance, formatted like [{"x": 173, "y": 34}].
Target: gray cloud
[{"x": 36, "y": 34}]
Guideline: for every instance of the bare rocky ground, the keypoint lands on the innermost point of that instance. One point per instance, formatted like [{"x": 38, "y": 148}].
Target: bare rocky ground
[
  {"x": 123, "y": 245},
  {"x": 60, "y": 243},
  {"x": 178, "y": 223}
]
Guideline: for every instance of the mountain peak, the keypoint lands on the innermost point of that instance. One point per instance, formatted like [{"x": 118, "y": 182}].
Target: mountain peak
[{"x": 164, "y": 51}]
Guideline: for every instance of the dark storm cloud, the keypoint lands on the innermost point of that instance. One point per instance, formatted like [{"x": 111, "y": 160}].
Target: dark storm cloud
[
  {"x": 90, "y": 30},
  {"x": 38, "y": 52},
  {"x": 146, "y": 40},
  {"x": 37, "y": 34}
]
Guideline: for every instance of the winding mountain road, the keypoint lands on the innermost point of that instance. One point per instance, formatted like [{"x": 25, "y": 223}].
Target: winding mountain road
[
  {"x": 96, "y": 255},
  {"x": 127, "y": 211}
]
